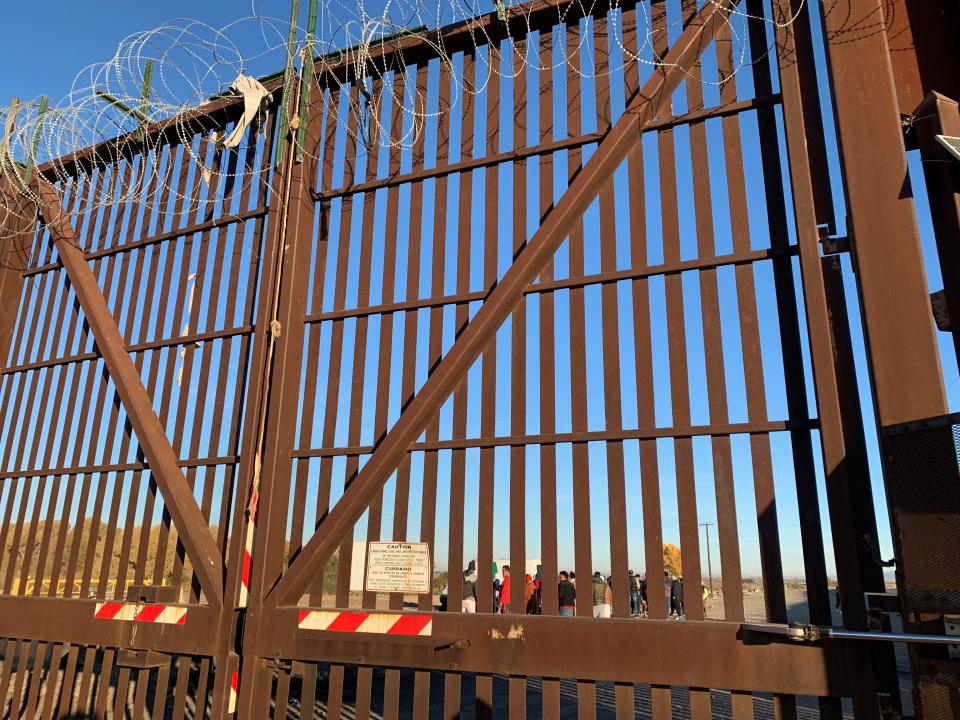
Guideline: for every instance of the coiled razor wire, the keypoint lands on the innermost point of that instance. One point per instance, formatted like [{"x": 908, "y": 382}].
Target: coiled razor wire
[{"x": 171, "y": 71}]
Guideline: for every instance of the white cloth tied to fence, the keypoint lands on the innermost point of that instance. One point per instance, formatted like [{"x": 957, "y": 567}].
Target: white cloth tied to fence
[{"x": 255, "y": 97}]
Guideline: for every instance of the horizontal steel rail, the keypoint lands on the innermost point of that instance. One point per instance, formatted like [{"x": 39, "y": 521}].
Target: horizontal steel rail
[
  {"x": 192, "y": 339},
  {"x": 546, "y": 286},
  {"x": 747, "y": 428},
  {"x": 115, "y": 467},
  {"x": 656, "y": 652},
  {"x": 546, "y": 148},
  {"x": 174, "y": 234},
  {"x": 70, "y": 620}
]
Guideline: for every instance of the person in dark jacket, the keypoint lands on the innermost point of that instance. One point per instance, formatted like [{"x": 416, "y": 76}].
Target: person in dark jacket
[
  {"x": 676, "y": 596},
  {"x": 643, "y": 597},
  {"x": 634, "y": 594},
  {"x": 566, "y": 595},
  {"x": 470, "y": 588},
  {"x": 538, "y": 586}
]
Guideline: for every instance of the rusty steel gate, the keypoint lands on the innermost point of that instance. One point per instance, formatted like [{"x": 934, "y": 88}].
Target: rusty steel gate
[{"x": 510, "y": 336}]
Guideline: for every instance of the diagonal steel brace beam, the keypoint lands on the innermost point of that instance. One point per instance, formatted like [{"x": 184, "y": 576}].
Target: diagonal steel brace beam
[
  {"x": 194, "y": 532},
  {"x": 644, "y": 106}
]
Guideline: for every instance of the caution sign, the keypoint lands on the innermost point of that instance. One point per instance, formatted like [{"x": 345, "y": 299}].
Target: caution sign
[{"x": 398, "y": 567}]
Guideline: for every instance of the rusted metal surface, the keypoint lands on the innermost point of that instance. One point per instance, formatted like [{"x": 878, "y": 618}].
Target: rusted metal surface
[
  {"x": 903, "y": 351},
  {"x": 939, "y": 115},
  {"x": 839, "y": 462},
  {"x": 535, "y": 646},
  {"x": 921, "y": 48},
  {"x": 903, "y": 354},
  {"x": 412, "y": 343},
  {"x": 883, "y": 222}
]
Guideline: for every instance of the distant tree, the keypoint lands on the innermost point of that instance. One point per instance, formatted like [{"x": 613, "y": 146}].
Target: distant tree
[{"x": 671, "y": 559}]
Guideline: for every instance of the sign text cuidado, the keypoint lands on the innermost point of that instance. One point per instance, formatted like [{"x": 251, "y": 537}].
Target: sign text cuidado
[{"x": 398, "y": 567}]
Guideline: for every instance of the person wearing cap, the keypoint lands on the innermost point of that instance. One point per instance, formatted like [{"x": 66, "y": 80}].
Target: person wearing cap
[
  {"x": 676, "y": 596},
  {"x": 601, "y": 608}
]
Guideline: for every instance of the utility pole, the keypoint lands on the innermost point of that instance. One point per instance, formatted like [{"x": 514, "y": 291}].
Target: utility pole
[{"x": 706, "y": 526}]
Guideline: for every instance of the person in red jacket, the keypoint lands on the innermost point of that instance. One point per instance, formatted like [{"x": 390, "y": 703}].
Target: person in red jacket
[{"x": 505, "y": 590}]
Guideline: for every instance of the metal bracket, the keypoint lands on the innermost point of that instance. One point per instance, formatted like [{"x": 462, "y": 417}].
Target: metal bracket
[
  {"x": 941, "y": 313},
  {"x": 277, "y": 664},
  {"x": 910, "y": 139},
  {"x": 141, "y": 659},
  {"x": 793, "y": 632},
  {"x": 951, "y": 626},
  {"x": 462, "y": 644},
  {"x": 153, "y": 594},
  {"x": 833, "y": 245}
]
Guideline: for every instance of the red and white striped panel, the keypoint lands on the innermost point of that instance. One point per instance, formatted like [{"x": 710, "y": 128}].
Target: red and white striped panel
[
  {"x": 361, "y": 622},
  {"x": 166, "y": 614},
  {"x": 245, "y": 570},
  {"x": 234, "y": 684}
]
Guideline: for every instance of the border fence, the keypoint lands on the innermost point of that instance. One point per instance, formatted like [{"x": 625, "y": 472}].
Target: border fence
[{"x": 605, "y": 290}]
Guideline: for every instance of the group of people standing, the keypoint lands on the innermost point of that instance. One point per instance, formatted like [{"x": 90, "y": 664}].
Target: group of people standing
[
  {"x": 502, "y": 594},
  {"x": 601, "y": 593}
]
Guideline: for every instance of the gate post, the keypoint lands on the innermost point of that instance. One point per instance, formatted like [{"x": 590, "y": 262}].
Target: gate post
[
  {"x": 903, "y": 353},
  {"x": 844, "y": 456},
  {"x": 283, "y": 303}
]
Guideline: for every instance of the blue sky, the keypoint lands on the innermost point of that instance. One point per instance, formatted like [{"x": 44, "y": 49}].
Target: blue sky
[{"x": 92, "y": 35}]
